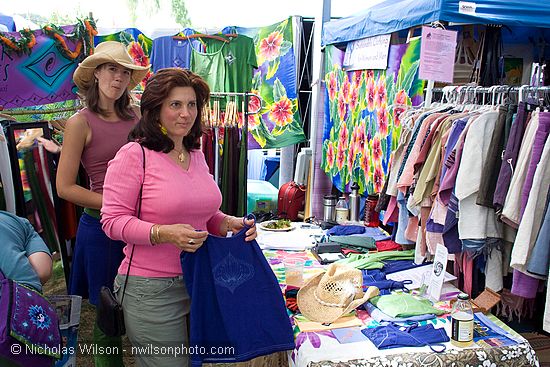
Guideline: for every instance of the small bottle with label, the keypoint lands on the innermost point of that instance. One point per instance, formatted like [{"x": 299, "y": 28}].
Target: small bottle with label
[
  {"x": 462, "y": 322},
  {"x": 342, "y": 211}
]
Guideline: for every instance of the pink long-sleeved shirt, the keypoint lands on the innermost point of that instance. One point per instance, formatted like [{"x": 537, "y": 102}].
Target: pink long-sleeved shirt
[{"x": 171, "y": 195}]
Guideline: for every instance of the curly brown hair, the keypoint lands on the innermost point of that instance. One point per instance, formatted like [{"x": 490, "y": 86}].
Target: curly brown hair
[{"x": 157, "y": 89}]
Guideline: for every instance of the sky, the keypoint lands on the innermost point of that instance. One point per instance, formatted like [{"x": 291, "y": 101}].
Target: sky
[{"x": 204, "y": 14}]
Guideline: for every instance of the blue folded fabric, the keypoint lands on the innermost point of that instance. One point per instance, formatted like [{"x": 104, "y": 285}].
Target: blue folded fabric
[
  {"x": 378, "y": 279},
  {"x": 395, "y": 336},
  {"x": 377, "y": 233},
  {"x": 345, "y": 230},
  {"x": 393, "y": 266}
]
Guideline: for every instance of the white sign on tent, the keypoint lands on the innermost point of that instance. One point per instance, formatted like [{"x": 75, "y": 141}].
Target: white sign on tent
[
  {"x": 369, "y": 53},
  {"x": 437, "y": 55}
]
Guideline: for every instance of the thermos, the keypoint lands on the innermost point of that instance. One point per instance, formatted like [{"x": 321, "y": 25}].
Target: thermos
[
  {"x": 371, "y": 216},
  {"x": 354, "y": 201},
  {"x": 329, "y": 208}
]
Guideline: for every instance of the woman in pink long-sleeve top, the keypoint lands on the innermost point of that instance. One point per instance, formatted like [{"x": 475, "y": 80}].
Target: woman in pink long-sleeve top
[{"x": 179, "y": 207}]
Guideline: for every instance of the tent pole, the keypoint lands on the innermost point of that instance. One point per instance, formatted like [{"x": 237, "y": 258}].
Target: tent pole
[
  {"x": 316, "y": 117},
  {"x": 429, "y": 93}
]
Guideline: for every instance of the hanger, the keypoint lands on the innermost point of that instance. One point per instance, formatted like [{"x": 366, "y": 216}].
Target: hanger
[
  {"x": 201, "y": 35},
  {"x": 520, "y": 93}
]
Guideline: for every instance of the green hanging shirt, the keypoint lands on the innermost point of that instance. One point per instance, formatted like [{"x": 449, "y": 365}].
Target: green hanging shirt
[{"x": 211, "y": 67}]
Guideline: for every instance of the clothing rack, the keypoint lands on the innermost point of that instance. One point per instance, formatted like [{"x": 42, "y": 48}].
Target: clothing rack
[
  {"x": 466, "y": 91},
  {"x": 244, "y": 134},
  {"x": 41, "y": 112},
  {"x": 21, "y": 207}
]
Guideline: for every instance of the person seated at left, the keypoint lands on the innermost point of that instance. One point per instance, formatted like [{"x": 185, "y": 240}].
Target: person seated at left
[{"x": 24, "y": 257}]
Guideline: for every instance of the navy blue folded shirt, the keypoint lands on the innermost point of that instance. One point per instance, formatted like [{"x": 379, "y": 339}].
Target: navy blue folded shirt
[
  {"x": 236, "y": 302},
  {"x": 395, "y": 336}
]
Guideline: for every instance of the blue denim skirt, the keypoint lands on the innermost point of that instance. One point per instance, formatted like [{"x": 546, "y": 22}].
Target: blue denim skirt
[{"x": 95, "y": 260}]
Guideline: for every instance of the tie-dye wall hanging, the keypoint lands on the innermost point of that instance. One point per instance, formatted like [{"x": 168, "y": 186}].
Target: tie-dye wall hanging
[
  {"x": 36, "y": 66},
  {"x": 363, "y": 112},
  {"x": 278, "y": 124}
]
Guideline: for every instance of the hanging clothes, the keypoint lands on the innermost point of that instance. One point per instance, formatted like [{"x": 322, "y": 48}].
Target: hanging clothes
[
  {"x": 240, "y": 61},
  {"x": 510, "y": 156},
  {"x": 231, "y": 286},
  {"x": 6, "y": 173},
  {"x": 468, "y": 180},
  {"x": 168, "y": 52},
  {"x": 211, "y": 67},
  {"x": 491, "y": 166},
  {"x": 39, "y": 201},
  {"x": 539, "y": 260},
  {"x": 230, "y": 169},
  {"x": 511, "y": 210},
  {"x": 532, "y": 219}
]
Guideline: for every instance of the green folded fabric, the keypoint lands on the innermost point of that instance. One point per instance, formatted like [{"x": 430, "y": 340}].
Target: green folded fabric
[
  {"x": 404, "y": 305},
  {"x": 375, "y": 260}
]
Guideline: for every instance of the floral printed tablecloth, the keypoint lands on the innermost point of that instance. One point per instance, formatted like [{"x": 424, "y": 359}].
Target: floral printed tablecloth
[{"x": 322, "y": 348}]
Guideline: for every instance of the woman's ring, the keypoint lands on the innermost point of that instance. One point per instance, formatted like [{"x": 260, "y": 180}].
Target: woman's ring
[{"x": 191, "y": 241}]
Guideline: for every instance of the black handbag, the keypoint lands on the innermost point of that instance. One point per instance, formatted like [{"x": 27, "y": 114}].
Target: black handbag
[{"x": 110, "y": 316}]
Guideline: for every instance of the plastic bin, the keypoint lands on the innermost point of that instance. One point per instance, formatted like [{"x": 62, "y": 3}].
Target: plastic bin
[{"x": 262, "y": 196}]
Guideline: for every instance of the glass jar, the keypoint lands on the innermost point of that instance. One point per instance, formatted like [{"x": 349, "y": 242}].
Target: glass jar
[
  {"x": 342, "y": 211},
  {"x": 462, "y": 322}
]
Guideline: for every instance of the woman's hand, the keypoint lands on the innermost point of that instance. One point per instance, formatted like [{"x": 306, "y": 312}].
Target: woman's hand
[
  {"x": 183, "y": 236},
  {"x": 235, "y": 224}
]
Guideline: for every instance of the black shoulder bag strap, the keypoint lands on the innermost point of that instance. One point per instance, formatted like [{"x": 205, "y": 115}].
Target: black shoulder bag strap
[{"x": 138, "y": 215}]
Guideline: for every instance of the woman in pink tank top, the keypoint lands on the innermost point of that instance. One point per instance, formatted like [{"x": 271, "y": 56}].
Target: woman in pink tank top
[{"x": 92, "y": 137}]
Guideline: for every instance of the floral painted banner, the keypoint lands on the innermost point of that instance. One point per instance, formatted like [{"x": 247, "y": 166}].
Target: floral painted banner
[
  {"x": 363, "y": 112},
  {"x": 278, "y": 124},
  {"x": 36, "y": 67},
  {"x": 139, "y": 47}
]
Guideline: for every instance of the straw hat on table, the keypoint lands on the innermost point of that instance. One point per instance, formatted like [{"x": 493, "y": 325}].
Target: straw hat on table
[{"x": 328, "y": 296}]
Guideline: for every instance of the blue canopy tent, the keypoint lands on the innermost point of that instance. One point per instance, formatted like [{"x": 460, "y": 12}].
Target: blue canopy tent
[{"x": 396, "y": 15}]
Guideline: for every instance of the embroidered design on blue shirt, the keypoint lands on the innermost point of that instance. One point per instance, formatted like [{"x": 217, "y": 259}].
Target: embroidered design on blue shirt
[{"x": 232, "y": 272}]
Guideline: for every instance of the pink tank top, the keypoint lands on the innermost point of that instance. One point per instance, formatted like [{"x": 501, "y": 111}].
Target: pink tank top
[{"x": 107, "y": 138}]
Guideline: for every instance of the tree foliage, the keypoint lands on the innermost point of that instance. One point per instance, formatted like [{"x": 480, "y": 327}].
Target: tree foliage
[{"x": 179, "y": 10}]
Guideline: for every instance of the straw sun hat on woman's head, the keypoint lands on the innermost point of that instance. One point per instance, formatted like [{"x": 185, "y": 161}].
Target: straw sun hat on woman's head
[
  {"x": 109, "y": 51},
  {"x": 328, "y": 296}
]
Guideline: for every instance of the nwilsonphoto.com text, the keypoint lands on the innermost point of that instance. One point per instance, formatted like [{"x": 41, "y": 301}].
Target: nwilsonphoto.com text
[{"x": 146, "y": 349}]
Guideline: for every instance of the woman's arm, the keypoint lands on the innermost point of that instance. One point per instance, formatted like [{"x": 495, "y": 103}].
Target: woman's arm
[
  {"x": 42, "y": 265},
  {"x": 74, "y": 140},
  {"x": 123, "y": 181},
  {"x": 235, "y": 224}
]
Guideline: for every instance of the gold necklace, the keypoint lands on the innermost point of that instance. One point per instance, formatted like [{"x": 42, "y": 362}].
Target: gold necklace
[{"x": 181, "y": 155}]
